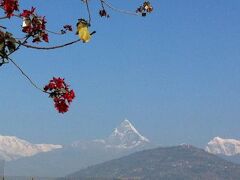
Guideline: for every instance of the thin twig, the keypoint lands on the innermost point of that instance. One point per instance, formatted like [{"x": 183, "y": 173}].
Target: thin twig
[
  {"x": 119, "y": 10},
  {"x": 19, "y": 45},
  {"x": 102, "y": 4},
  {"x": 4, "y": 17},
  {"x": 3, "y": 27},
  {"x": 52, "y": 47},
  {"x": 52, "y": 32},
  {"x": 89, "y": 13},
  {"x": 28, "y": 78},
  {"x": 56, "y": 33}
]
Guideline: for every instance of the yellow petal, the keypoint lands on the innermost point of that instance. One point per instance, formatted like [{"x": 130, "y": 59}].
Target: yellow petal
[{"x": 84, "y": 34}]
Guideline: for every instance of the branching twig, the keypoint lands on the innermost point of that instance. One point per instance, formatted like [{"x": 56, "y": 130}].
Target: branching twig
[
  {"x": 53, "y": 47},
  {"x": 119, "y": 10},
  {"x": 19, "y": 45},
  {"x": 52, "y": 32},
  {"x": 56, "y": 33},
  {"x": 89, "y": 13},
  {"x": 4, "y": 17},
  {"x": 3, "y": 27},
  {"x": 28, "y": 78},
  {"x": 102, "y": 4}
]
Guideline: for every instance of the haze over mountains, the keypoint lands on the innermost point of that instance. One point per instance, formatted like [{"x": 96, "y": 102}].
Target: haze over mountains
[
  {"x": 124, "y": 140},
  {"x": 28, "y": 159}
]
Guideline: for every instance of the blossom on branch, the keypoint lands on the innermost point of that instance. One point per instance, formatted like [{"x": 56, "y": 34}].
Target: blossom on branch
[
  {"x": 34, "y": 25},
  {"x": 60, "y": 93},
  {"x": 9, "y": 6}
]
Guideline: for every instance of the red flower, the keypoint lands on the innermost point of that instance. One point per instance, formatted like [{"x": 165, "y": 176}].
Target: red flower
[
  {"x": 45, "y": 37},
  {"x": 69, "y": 96},
  {"x": 9, "y": 6},
  {"x": 34, "y": 25},
  {"x": 59, "y": 91},
  {"x": 27, "y": 13},
  {"x": 61, "y": 105}
]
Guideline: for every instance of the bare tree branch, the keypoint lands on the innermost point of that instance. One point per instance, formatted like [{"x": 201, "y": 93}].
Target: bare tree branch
[
  {"x": 28, "y": 78},
  {"x": 119, "y": 10}
]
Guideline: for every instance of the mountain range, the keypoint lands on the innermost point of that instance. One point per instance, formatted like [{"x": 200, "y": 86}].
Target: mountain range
[
  {"x": 28, "y": 159},
  {"x": 12, "y": 148},
  {"x": 172, "y": 163},
  {"x": 124, "y": 139},
  {"x": 125, "y": 136},
  {"x": 228, "y": 147}
]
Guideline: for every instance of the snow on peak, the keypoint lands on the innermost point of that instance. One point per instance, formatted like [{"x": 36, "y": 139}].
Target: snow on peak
[
  {"x": 125, "y": 136},
  {"x": 12, "y": 148},
  {"x": 228, "y": 147}
]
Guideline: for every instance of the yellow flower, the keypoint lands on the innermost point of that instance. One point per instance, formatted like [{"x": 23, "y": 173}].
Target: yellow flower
[{"x": 82, "y": 30}]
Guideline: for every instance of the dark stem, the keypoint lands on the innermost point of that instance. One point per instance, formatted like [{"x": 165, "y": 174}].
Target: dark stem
[
  {"x": 102, "y": 4},
  {"x": 19, "y": 45},
  {"x": 89, "y": 13},
  {"x": 52, "y": 32},
  {"x": 4, "y": 17},
  {"x": 28, "y": 78},
  {"x": 119, "y": 10},
  {"x": 52, "y": 47},
  {"x": 3, "y": 27}
]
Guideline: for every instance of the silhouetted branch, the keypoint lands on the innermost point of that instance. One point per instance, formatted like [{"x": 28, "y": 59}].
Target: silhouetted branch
[
  {"x": 52, "y": 47},
  {"x": 119, "y": 10},
  {"x": 28, "y": 78}
]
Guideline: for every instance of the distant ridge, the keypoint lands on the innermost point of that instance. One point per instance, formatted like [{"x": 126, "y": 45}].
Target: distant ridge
[{"x": 172, "y": 163}]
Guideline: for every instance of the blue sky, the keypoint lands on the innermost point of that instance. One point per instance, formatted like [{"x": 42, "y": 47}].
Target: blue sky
[{"x": 174, "y": 74}]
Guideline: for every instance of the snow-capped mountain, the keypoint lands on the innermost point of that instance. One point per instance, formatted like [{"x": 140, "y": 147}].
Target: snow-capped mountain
[
  {"x": 125, "y": 136},
  {"x": 228, "y": 147},
  {"x": 124, "y": 139},
  {"x": 12, "y": 148}
]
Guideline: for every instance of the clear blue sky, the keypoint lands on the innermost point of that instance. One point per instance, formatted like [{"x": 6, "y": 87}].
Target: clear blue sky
[{"x": 174, "y": 74}]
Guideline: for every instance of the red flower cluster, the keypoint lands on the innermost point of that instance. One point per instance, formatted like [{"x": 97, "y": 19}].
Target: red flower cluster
[
  {"x": 34, "y": 25},
  {"x": 9, "y": 6},
  {"x": 61, "y": 94}
]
